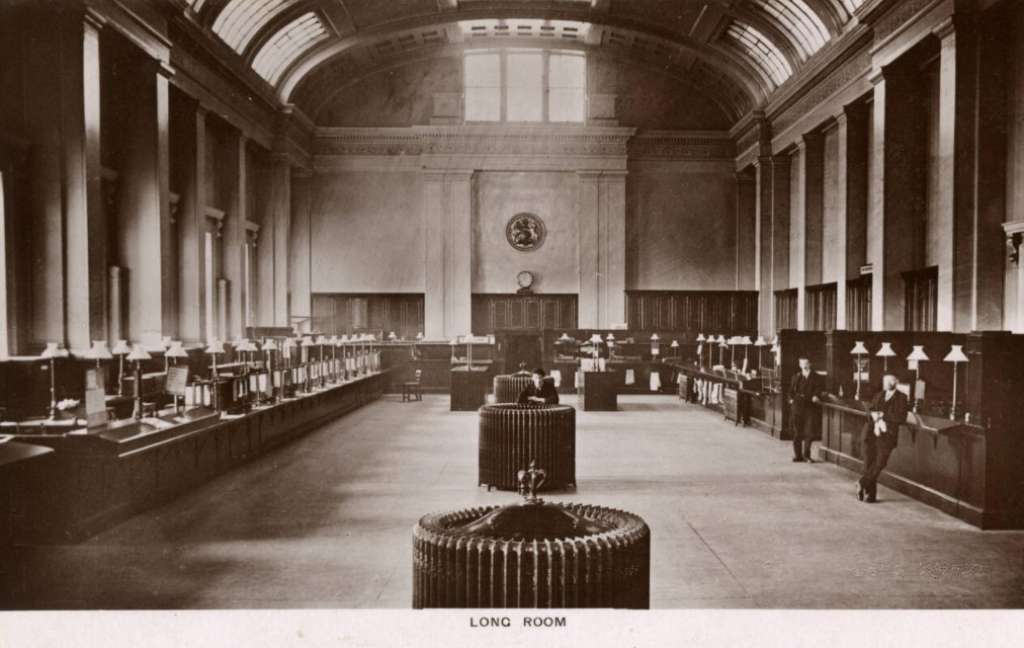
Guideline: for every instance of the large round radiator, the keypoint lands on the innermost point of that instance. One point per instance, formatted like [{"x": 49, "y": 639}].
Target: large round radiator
[
  {"x": 533, "y": 555},
  {"x": 511, "y": 436},
  {"x": 507, "y": 387}
]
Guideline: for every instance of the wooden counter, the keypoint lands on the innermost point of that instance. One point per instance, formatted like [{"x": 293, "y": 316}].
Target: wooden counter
[
  {"x": 936, "y": 461},
  {"x": 107, "y": 475},
  {"x": 469, "y": 388},
  {"x": 601, "y": 391},
  {"x": 740, "y": 400}
]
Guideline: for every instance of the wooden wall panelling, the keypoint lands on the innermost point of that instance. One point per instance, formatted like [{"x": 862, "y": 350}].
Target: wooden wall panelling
[
  {"x": 703, "y": 311},
  {"x": 500, "y": 312}
]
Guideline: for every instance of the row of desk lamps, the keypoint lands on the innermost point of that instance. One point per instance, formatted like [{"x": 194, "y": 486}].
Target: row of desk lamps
[
  {"x": 956, "y": 356},
  {"x": 731, "y": 343},
  {"x": 174, "y": 349}
]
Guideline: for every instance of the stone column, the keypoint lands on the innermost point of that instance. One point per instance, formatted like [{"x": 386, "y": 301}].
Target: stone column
[
  {"x": 955, "y": 205},
  {"x": 300, "y": 271},
  {"x": 191, "y": 226},
  {"x": 602, "y": 248},
  {"x": 448, "y": 201},
  {"x": 234, "y": 238},
  {"x": 279, "y": 230},
  {"x": 853, "y": 195},
  {"x": 747, "y": 231},
  {"x": 763, "y": 205},
  {"x": 798, "y": 232},
  {"x": 895, "y": 193},
  {"x": 85, "y": 233},
  {"x": 145, "y": 207}
]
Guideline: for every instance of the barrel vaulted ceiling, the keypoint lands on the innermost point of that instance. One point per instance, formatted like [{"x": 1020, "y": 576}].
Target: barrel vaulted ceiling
[{"x": 737, "y": 52}]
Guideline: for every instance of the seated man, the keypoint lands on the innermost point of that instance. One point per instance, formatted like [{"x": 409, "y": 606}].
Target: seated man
[{"x": 541, "y": 391}]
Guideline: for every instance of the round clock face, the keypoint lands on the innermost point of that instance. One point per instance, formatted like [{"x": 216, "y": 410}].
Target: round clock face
[{"x": 524, "y": 279}]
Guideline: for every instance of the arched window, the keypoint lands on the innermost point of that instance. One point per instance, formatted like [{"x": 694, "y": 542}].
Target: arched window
[{"x": 525, "y": 85}]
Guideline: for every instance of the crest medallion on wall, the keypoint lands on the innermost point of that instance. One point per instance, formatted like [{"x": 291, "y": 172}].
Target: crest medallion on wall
[{"x": 525, "y": 232}]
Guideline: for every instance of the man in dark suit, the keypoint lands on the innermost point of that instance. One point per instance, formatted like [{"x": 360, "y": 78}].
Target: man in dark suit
[
  {"x": 540, "y": 391},
  {"x": 880, "y": 434},
  {"x": 804, "y": 395}
]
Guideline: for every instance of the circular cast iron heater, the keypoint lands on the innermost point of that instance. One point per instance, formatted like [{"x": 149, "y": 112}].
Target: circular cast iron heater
[
  {"x": 532, "y": 555},
  {"x": 512, "y": 436},
  {"x": 507, "y": 387}
]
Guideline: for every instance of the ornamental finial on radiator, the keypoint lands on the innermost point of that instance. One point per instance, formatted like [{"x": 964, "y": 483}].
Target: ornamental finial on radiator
[{"x": 530, "y": 480}]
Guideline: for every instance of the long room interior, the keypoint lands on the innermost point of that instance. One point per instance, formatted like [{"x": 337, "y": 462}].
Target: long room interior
[{"x": 314, "y": 303}]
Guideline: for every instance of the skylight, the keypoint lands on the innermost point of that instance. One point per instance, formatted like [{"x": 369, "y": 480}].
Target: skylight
[
  {"x": 240, "y": 20},
  {"x": 765, "y": 55},
  {"x": 287, "y": 45},
  {"x": 851, "y": 5},
  {"x": 795, "y": 18}
]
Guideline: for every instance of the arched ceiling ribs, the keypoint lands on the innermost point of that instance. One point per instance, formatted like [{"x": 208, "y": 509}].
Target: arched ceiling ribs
[
  {"x": 329, "y": 50},
  {"x": 754, "y": 45},
  {"x": 343, "y": 72}
]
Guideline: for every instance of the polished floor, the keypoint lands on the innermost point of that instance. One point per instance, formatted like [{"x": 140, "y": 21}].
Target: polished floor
[{"x": 325, "y": 522}]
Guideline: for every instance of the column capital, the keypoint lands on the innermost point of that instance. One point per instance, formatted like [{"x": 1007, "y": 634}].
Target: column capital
[
  {"x": 94, "y": 19},
  {"x": 876, "y": 76},
  {"x": 764, "y": 162},
  {"x": 945, "y": 29}
]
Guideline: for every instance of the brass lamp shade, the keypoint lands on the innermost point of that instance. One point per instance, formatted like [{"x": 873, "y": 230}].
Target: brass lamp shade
[
  {"x": 701, "y": 338},
  {"x": 99, "y": 351},
  {"x": 269, "y": 345},
  {"x": 859, "y": 349},
  {"x": 308, "y": 342},
  {"x": 956, "y": 354},
  {"x": 53, "y": 350},
  {"x": 216, "y": 346},
  {"x": 886, "y": 351},
  {"x": 121, "y": 348},
  {"x": 674, "y": 345},
  {"x": 917, "y": 354},
  {"x": 176, "y": 350},
  {"x": 138, "y": 354}
]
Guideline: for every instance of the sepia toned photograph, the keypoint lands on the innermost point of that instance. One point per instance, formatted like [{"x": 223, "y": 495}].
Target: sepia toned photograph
[{"x": 511, "y": 308}]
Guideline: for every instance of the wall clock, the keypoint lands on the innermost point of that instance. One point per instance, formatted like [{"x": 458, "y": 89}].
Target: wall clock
[
  {"x": 524, "y": 279},
  {"x": 525, "y": 232}
]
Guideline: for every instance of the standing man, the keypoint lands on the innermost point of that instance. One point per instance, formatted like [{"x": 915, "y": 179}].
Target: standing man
[
  {"x": 880, "y": 434},
  {"x": 805, "y": 389},
  {"x": 541, "y": 391}
]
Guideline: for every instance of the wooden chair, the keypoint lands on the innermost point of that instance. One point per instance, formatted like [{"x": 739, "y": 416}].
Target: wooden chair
[{"x": 413, "y": 389}]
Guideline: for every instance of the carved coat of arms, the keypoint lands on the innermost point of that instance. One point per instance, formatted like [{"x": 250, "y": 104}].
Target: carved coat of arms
[{"x": 525, "y": 232}]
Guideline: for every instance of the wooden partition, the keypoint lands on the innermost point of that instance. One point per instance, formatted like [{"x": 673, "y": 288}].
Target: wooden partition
[
  {"x": 496, "y": 312},
  {"x": 691, "y": 310},
  {"x": 971, "y": 465},
  {"x": 345, "y": 313}
]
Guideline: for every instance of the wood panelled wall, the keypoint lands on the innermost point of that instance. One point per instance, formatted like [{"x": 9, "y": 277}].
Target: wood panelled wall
[
  {"x": 493, "y": 312},
  {"x": 682, "y": 310},
  {"x": 338, "y": 313}
]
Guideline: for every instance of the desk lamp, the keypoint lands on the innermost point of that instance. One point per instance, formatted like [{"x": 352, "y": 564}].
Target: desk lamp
[
  {"x": 137, "y": 355},
  {"x": 776, "y": 352},
  {"x": 307, "y": 344},
  {"x": 215, "y": 347},
  {"x": 760, "y": 343},
  {"x": 268, "y": 347},
  {"x": 174, "y": 351},
  {"x": 343, "y": 343},
  {"x": 914, "y": 360},
  {"x": 372, "y": 359},
  {"x": 100, "y": 352},
  {"x": 745, "y": 342},
  {"x": 392, "y": 337},
  {"x": 700, "y": 350},
  {"x": 675, "y": 348},
  {"x": 321, "y": 342},
  {"x": 858, "y": 350},
  {"x": 53, "y": 351},
  {"x": 595, "y": 346},
  {"x": 121, "y": 349},
  {"x": 722, "y": 346},
  {"x": 956, "y": 356},
  {"x": 289, "y": 370},
  {"x": 885, "y": 353},
  {"x": 655, "y": 345},
  {"x": 333, "y": 373}
]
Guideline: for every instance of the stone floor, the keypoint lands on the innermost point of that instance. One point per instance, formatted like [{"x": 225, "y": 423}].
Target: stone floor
[{"x": 326, "y": 522}]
